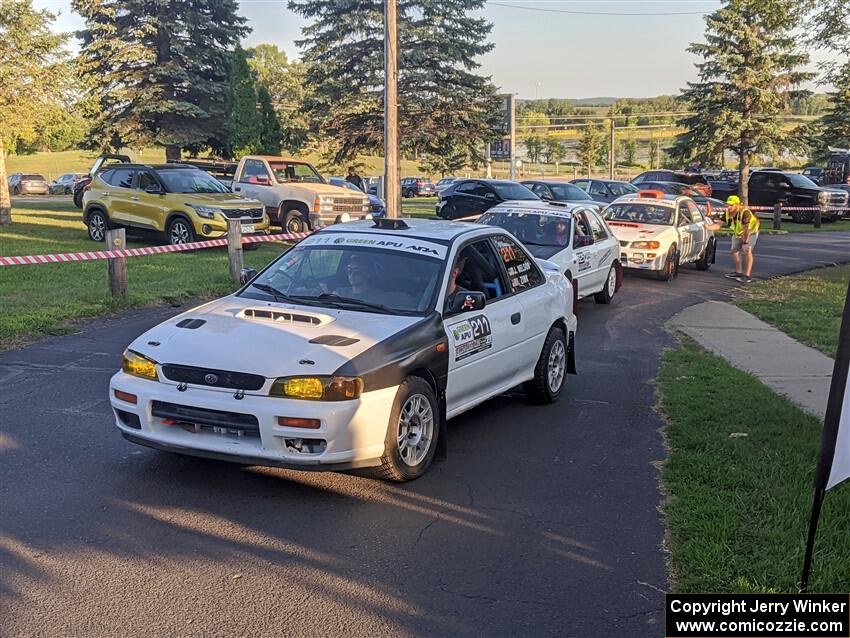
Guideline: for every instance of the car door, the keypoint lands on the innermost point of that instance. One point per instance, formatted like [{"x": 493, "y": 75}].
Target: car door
[
  {"x": 148, "y": 209},
  {"x": 527, "y": 283},
  {"x": 484, "y": 345},
  {"x": 762, "y": 190},
  {"x": 118, "y": 197},
  {"x": 463, "y": 200},
  {"x": 698, "y": 230},
  {"x": 605, "y": 249},
  {"x": 582, "y": 261},
  {"x": 686, "y": 233},
  {"x": 255, "y": 182}
]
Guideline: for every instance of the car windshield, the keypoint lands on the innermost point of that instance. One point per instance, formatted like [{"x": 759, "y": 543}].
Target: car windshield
[
  {"x": 641, "y": 213},
  {"x": 295, "y": 172},
  {"x": 800, "y": 181},
  {"x": 569, "y": 192},
  {"x": 507, "y": 190},
  {"x": 185, "y": 180},
  {"x": 362, "y": 272},
  {"x": 532, "y": 229}
]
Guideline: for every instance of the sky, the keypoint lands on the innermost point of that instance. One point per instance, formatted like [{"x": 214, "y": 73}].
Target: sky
[{"x": 543, "y": 48}]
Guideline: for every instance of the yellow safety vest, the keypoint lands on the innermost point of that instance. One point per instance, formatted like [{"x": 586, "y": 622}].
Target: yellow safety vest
[{"x": 736, "y": 223}]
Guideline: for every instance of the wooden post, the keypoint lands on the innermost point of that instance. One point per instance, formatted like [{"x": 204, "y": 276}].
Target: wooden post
[
  {"x": 819, "y": 214},
  {"x": 612, "y": 151},
  {"x": 234, "y": 248},
  {"x": 777, "y": 216},
  {"x": 117, "y": 268},
  {"x": 392, "y": 174}
]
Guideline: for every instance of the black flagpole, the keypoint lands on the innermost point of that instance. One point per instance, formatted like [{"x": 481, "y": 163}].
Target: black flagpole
[{"x": 829, "y": 434}]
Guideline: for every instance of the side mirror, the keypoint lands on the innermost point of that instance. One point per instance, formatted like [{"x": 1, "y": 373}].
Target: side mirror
[
  {"x": 246, "y": 275},
  {"x": 154, "y": 189},
  {"x": 581, "y": 241},
  {"x": 467, "y": 301}
]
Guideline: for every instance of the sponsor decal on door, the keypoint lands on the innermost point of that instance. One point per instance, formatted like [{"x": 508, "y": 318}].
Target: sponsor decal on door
[{"x": 471, "y": 336}]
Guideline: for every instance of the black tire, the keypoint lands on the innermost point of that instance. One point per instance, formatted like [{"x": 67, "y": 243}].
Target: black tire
[
  {"x": 294, "y": 222},
  {"x": 704, "y": 262},
  {"x": 97, "y": 223},
  {"x": 802, "y": 217},
  {"x": 609, "y": 288},
  {"x": 540, "y": 389},
  {"x": 412, "y": 397},
  {"x": 180, "y": 231},
  {"x": 671, "y": 266}
]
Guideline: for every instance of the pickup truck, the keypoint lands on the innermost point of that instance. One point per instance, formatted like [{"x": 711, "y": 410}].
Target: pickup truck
[
  {"x": 767, "y": 188},
  {"x": 293, "y": 192}
]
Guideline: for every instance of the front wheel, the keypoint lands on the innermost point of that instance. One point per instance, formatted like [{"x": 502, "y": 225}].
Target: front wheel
[
  {"x": 293, "y": 222},
  {"x": 704, "y": 262},
  {"x": 607, "y": 293},
  {"x": 97, "y": 225},
  {"x": 412, "y": 432},
  {"x": 551, "y": 369},
  {"x": 180, "y": 232},
  {"x": 671, "y": 266}
]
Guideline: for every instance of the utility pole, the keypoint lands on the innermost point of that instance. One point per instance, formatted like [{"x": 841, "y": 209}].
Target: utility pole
[
  {"x": 392, "y": 176},
  {"x": 611, "y": 158},
  {"x": 512, "y": 124}
]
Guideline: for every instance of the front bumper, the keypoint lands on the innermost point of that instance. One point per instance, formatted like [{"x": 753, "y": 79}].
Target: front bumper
[
  {"x": 327, "y": 218},
  {"x": 351, "y": 433},
  {"x": 642, "y": 259},
  {"x": 216, "y": 228}
]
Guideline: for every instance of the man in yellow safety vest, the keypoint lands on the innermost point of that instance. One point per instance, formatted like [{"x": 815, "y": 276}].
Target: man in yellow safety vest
[{"x": 745, "y": 226}]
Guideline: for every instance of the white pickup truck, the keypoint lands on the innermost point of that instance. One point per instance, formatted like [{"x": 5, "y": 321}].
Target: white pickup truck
[{"x": 295, "y": 195}]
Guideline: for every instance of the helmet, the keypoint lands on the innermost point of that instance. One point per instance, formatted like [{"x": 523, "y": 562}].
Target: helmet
[{"x": 733, "y": 199}]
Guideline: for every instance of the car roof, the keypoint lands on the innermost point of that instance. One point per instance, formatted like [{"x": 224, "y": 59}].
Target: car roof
[
  {"x": 434, "y": 229},
  {"x": 668, "y": 199},
  {"x": 541, "y": 207}
]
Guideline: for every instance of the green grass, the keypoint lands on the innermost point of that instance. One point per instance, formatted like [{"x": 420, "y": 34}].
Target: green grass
[
  {"x": 807, "y": 306},
  {"x": 42, "y": 300},
  {"x": 738, "y": 508},
  {"x": 789, "y": 226}
]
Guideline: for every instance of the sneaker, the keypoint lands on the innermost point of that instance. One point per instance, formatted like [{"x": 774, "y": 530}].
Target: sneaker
[
  {"x": 732, "y": 275},
  {"x": 744, "y": 279}
]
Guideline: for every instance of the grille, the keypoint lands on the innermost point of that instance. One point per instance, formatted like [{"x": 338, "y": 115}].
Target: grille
[
  {"x": 237, "y": 213},
  {"x": 348, "y": 201},
  {"x": 246, "y": 423},
  {"x": 223, "y": 378},
  {"x": 375, "y": 207},
  {"x": 838, "y": 198}
]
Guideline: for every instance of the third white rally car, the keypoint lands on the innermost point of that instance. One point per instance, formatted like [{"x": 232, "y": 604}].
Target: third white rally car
[
  {"x": 573, "y": 236},
  {"x": 352, "y": 349},
  {"x": 659, "y": 232}
]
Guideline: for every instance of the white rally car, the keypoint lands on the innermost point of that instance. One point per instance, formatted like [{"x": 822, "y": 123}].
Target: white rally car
[
  {"x": 659, "y": 232},
  {"x": 573, "y": 236},
  {"x": 348, "y": 351}
]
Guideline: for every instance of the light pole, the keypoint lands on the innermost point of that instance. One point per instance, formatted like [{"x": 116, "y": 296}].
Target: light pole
[{"x": 392, "y": 177}]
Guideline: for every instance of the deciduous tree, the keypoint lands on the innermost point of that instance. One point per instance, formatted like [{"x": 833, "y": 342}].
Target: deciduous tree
[{"x": 590, "y": 146}]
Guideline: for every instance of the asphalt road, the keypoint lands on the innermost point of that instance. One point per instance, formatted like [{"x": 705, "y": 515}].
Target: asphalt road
[{"x": 542, "y": 521}]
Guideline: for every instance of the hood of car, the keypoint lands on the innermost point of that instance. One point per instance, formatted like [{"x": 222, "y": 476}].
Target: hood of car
[
  {"x": 324, "y": 189},
  {"x": 629, "y": 231},
  {"x": 270, "y": 339},
  {"x": 226, "y": 200}
]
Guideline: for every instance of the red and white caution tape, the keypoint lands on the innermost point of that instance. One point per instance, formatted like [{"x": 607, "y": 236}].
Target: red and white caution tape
[{"x": 59, "y": 258}]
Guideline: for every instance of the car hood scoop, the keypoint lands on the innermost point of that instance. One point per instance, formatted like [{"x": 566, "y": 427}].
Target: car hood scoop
[{"x": 274, "y": 340}]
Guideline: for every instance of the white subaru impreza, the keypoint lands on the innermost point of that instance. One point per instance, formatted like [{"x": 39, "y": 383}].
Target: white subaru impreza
[{"x": 352, "y": 349}]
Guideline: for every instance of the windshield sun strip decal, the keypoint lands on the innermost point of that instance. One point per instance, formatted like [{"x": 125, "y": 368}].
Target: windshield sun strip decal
[{"x": 408, "y": 245}]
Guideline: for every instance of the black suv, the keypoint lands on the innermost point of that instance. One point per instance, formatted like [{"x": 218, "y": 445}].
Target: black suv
[
  {"x": 418, "y": 187},
  {"x": 470, "y": 197}
]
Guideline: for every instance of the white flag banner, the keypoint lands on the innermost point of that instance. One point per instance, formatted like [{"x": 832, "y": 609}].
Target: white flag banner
[{"x": 840, "y": 470}]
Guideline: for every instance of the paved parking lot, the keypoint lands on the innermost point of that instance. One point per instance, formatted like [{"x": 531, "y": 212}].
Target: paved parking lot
[{"x": 542, "y": 521}]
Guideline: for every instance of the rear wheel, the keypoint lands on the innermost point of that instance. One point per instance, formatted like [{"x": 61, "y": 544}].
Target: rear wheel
[
  {"x": 607, "y": 293},
  {"x": 551, "y": 369},
  {"x": 180, "y": 232},
  {"x": 412, "y": 432},
  {"x": 704, "y": 262}
]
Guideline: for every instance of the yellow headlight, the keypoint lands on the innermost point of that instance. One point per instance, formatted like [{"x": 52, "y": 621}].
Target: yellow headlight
[
  {"x": 138, "y": 365},
  {"x": 651, "y": 245},
  {"x": 318, "y": 388}
]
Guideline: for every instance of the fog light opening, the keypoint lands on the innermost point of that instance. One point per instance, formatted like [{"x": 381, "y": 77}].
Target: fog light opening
[{"x": 305, "y": 446}]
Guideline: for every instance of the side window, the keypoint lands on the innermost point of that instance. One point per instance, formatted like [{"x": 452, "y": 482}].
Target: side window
[
  {"x": 254, "y": 172},
  {"x": 107, "y": 175},
  {"x": 145, "y": 180},
  {"x": 684, "y": 214},
  {"x": 481, "y": 190},
  {"x": 522, "y": 271},
  {"x": 480, "y": 270},
  {"x": 122, "y": 178},
  {"x": 598, "y": 188},
  {"x": 696, "y": 213},
  {"x": 538, "y": 189},
  {"x": 597, "y": 228},
  {"x": 758, "y": 180},
  {"x": 467, "y": 188},
  {"x": 582, "y": 184},
  {"x": 581, "y": 226}
]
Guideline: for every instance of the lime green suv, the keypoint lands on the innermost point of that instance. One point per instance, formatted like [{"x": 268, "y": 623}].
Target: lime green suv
[{"x": 180, "y": 201}]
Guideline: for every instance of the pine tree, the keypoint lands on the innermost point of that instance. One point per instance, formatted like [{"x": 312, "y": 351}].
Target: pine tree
[
  {"x": 159, "y": 68},
  {"x": 270, "y": 133},
  {"x": 444, "y": 106},
  {"x": 749, "y": 74},
  {"x": 243, "y": 118},
  {"x": 589, "y": 147},
  {"x": 30, "y": 58}
]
